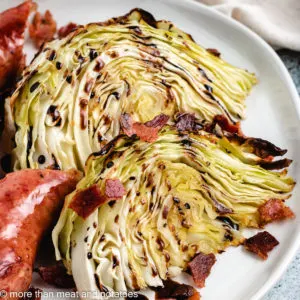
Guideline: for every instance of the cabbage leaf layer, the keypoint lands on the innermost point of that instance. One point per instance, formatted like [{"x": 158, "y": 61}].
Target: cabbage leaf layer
[
  {"x": 72, "y": 95},
  {"x": 185, "y": 193}
]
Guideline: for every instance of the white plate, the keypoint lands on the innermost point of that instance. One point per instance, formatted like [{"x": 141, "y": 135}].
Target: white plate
[{"x": 272, "y": 110}]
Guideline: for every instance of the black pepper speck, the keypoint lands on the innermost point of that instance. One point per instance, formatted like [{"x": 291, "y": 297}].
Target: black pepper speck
[
  {"x": 52, "y": 55},
  {"x": 58, "y": 65},
  {"x": 69, "y": 79},
  {"x": 187, "y": 206},
  {"x": 110, "y": 164},
  {"x": 176, "y": 200},
  {"x": 41, "y": 159},
  {"x": 34, "y": 87}
]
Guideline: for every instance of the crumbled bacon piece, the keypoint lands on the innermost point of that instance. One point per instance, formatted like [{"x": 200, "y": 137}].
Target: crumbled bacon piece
[
  {"x": 65, "y": 30},
  {"x": 261, "y": 244},
  {"x": 148, "y": 131},
  {"x": 42, "y": 29},
  {"x": 114, "y": 189},
  {"x": 145, "y": 133},
  {"x": 185, "y": 121},
  {"x": 175, "y": 290},
  {"x": 86, "y": 201},
  {"x": 56, "y": 275},
  {"x": 214, "y": 52},
  {"x": 274, "y": 210},
  {"x": 158, "y": 122},
  {"x": 200, "y": 267},
  {"x": 12, "y": 26}
]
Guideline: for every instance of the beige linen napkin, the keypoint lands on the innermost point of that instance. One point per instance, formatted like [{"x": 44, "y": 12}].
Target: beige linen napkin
[{"x": 276, "y": 21}]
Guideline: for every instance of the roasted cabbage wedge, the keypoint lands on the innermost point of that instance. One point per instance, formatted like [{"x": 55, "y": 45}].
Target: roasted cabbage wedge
[
  {"x": 185, "y": 193},
  {"x": 70, "y": 99}
]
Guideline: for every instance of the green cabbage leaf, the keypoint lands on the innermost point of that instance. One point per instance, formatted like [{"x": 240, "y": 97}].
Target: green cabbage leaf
[
  {"x": 185, "y": 193},
  {"x": 69, "y": 101}
]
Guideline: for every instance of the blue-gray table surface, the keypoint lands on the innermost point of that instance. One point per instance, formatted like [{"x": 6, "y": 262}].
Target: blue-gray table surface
[{"x": 288, "y": 287}]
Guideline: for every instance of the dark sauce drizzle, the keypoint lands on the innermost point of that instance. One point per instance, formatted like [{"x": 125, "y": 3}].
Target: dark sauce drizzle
[
  {"x": 29, "y": 145},
  {"x": 227, "y": 221}
]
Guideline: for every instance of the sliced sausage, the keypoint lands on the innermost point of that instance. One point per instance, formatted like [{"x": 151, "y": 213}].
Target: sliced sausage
[{"x": 29, "y": 202}]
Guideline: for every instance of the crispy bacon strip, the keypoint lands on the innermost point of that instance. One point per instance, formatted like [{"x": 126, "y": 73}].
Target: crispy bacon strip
[
  {"x": 274, "y": 210},
  {"x": 147, "y": 132},
  {"x": 42, "y": 29},
  {"x": 56, "y": 275},
  {"x": 200, "y": 267},
  {"x": 261, "y": 244},
  {"x": 12, "y": 26},
  {"x": 175, "y": 290},
  {"x": 65, "y": 30}
]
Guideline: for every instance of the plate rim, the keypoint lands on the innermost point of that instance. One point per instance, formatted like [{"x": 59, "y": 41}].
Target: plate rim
[{"x": 290, "y": 254}]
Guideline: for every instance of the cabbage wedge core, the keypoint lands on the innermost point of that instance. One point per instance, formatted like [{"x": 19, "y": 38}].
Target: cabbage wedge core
[
  {"x": 72, "y": 95},
  {"x": 184, "y": 194}
]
